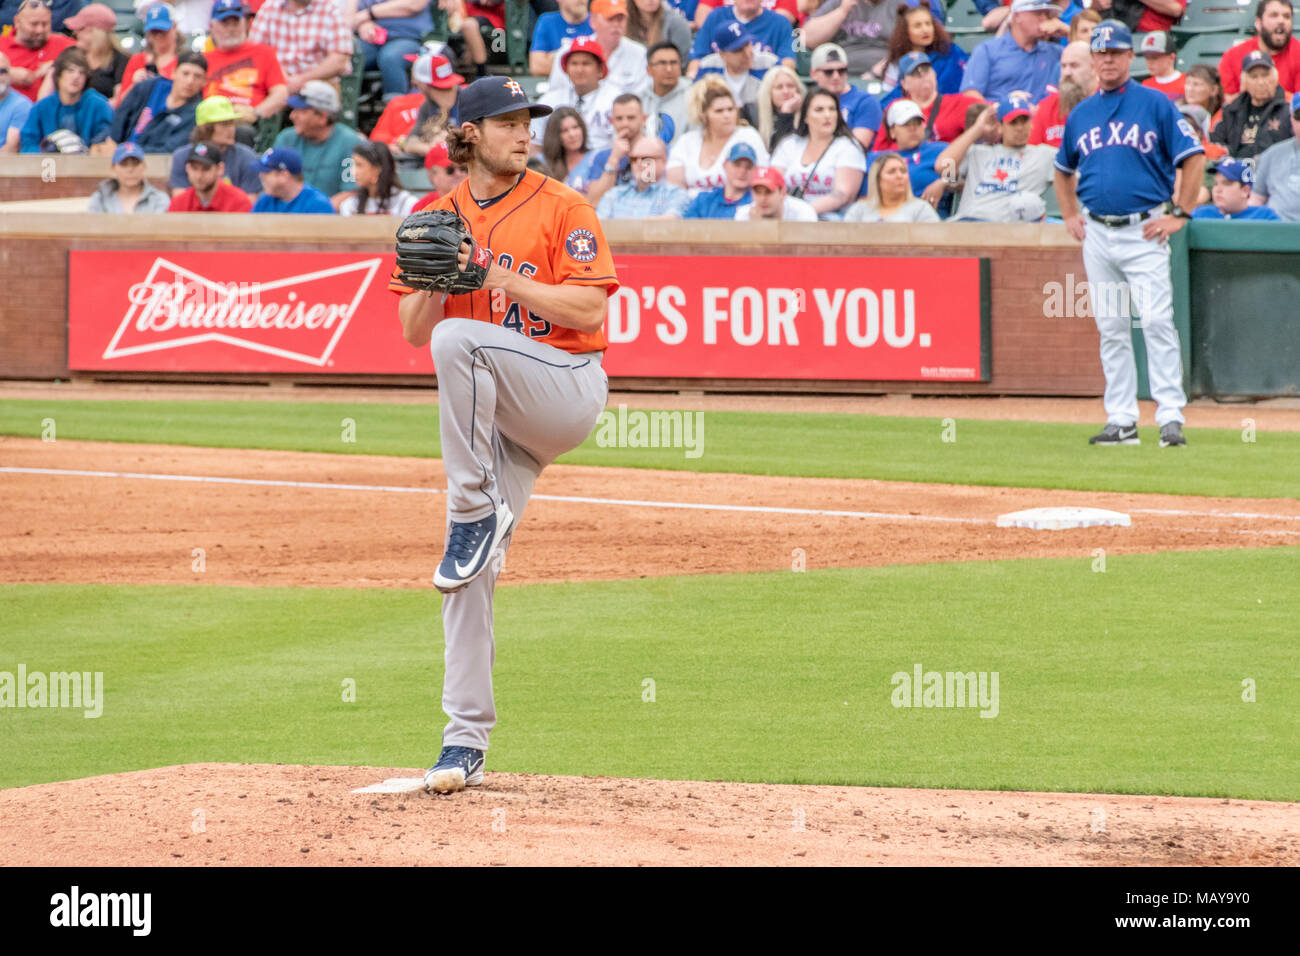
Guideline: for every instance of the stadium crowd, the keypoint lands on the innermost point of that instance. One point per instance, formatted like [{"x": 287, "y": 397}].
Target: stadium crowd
[{"x": 662, "y": 108}]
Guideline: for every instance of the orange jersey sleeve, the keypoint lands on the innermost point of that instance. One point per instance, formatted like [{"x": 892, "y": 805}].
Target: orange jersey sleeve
[{"x": 543, "y": 230}]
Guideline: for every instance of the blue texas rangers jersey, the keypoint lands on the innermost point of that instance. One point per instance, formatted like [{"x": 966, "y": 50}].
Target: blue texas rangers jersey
[{"x": 1124, "y": 144}]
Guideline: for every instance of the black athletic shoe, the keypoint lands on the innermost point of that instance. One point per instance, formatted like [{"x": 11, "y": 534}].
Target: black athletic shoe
[
  {"x": 1172, "y": 434},
  {"x": 1117, "y": 435}
]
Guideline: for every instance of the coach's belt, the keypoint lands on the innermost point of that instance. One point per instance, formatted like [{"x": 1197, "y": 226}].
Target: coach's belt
[{"x": 1131, "y": 220}]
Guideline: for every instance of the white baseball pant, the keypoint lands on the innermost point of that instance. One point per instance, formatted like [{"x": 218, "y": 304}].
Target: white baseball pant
[
  {"x": 508, "y": 406},
  {"x": 1125, "y": 268}
]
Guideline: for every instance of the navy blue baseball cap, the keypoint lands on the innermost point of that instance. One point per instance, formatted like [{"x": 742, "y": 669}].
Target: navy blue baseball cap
[
  {"x": 1237, "y": 171},
  {"x": 225, "y": 9},
  {"x": 205, "y": 152},
  {"x": 911, "y": 61},
  {"x": 492, "y": 96},
  {"x": 742, "y": 151},
  {"x": 733, "y": 38},
  {"x": 1256, "y": 58},
  {"x": 281, "y": 157},
  {"x": 1110, "y": 35}
]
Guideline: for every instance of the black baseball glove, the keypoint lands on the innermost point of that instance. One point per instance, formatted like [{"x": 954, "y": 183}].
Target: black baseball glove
[{"x": 428, "y": 250}]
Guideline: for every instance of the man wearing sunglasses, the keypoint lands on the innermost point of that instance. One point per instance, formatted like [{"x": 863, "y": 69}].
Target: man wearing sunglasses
[
  {"x": 31, "y": 48},
  {"x": 60, "y": 10},
  {"x": 14, "y": 108},
  {"x": 861, "y": 110}
]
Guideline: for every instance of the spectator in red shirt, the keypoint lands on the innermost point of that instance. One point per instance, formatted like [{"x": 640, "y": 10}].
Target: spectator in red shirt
[
  {"x": 413, "y": 122},
  {"x": 1273, "y": 36},
  {"x": 1159, "y": 51},
  {"x": 921, "y": 85},
  {"x": 161, "y": 45},
  {"x": 31, "y": 48},
  {"x": 248, "y": 74},
  {"x": 311, "y": 39},
  {"x": 209, "y": 191},
  {"x": 1077, "y": 82},
  {"x": 1158, "y": 15}
]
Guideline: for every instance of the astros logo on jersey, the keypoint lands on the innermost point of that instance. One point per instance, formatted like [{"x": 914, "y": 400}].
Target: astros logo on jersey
[
  {"x": 581, "y": 245},
  {"x": 514, "y": 88}
]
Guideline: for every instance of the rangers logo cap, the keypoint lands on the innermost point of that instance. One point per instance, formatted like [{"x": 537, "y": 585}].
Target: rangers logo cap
[
  {"x": 734, "y": 38},
  {"x": 492, "y": 96},
  {"x": 159, "y": 17},
  {"x": 587, "y": 44},
  {"x": 225, "y": 9},
  {"x": 1110, "y": 35},
  {"x": 1013, "y": 108},
  {"x": 768, "y": 177},
  {"x": 1237, "y": 171}
]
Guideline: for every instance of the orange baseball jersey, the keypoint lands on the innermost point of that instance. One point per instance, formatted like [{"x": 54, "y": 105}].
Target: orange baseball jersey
[{"x": 543, "y": 230}]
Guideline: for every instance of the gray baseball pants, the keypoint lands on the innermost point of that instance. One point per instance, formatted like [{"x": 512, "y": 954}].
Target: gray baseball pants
[{"x": 508, "y": 406}]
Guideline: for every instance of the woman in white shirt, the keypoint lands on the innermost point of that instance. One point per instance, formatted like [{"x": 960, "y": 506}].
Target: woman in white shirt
[
  {"x": 695, "y": 162},
  {"x": 377, "y": 192},
  {"x": 822, "y": 162},
  {"x": 889, "y": 195}
]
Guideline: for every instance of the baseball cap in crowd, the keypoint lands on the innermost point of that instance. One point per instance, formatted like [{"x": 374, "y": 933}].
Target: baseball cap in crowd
[
  {"x": 225, "y": 9},
  {"x": 207, "y": 153},
  {"x": 911, "y": 61},
  {"x": 1157, "y": 43},
  {"x": 159, "y": 17},
  {"x": 215, "y": 109},
  {"x": 1256, "y": 58},
  {"x": 828, "y": 53},
  {"x": 1012, "y": 108},
  {"x": 492, "y": 96},
  {"x": 902, "y": 111},
  {"x": 93, "y": 15},
  {"x": 1237, "y": 171},
  {"x": 609, "y": 8},
  {"x": 742, "y": 151},
  {"x": 316, "y": 95},
  {"x": 1030, "y": 6},
  {"x": 437, "y": 156},
  {"x": 734, "y": 37},
  {"x": 1110, "y": 35},
  {"x": 127, "y": 151},
  {"x": 281, "y": 157},
  {"x": 587, "y": 44},
  {"x": 434, "y": 70},
  {"x": 769, "y": 177},
  {"x": 1198, "y": 115}
]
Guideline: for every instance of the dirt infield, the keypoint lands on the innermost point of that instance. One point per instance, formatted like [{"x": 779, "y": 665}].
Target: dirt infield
[
  {"x": 140, "y": 531},
  {"x": 251, "y": 814}
]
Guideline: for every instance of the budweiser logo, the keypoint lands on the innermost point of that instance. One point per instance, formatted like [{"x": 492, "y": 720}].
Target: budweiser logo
[{"x": 300, "y": 317}]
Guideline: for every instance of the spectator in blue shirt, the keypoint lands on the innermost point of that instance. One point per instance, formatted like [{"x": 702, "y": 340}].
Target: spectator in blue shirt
[
  {"x": 861, "y": 110},
  {"x": 282, "y": 187},
  {"x": 1020, "y": 63},
  {"x": 403, "y": 36},
  {"x": 906, "y": 126},
  {"x": 771, "y": 32},
  {"x": 552, "y": 30},
  {"x": 14, "y": 108},
  {"x": 723, "y": 201},
  {"x": 71, "y": 106},
  {"x": 158, "y": 114},
  {"x": 1230, "y": 198},
  {"x": 648, "y": 194}
]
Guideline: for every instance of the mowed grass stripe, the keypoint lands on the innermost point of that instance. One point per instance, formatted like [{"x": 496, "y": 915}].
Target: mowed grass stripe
[
  {"x": 1125, "y": 681},
  {"x": 1217, "y": 462}
]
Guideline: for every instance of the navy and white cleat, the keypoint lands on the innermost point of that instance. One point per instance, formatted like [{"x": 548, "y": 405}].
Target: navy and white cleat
[
  {"x": 469, "y": 548},
  {"x": 456, "y": 769}
]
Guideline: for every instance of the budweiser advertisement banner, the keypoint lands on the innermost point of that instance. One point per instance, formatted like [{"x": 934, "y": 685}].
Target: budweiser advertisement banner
[{"x": 835, "y": 318}]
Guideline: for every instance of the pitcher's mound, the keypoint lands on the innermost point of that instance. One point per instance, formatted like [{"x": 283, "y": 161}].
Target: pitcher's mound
[{"x": 255, "y": 814}]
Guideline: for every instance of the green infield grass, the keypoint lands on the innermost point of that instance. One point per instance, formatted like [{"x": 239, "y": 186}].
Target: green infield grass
[
  {"x": 1131, "y": 680},
  {"x": 1020, "y": 454}
]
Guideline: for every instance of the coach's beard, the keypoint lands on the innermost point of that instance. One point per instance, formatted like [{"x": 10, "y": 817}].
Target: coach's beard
[{"x": 1070, "y": 94}]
